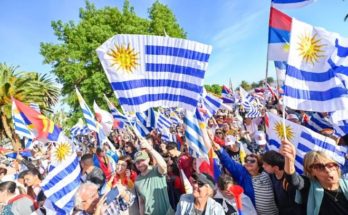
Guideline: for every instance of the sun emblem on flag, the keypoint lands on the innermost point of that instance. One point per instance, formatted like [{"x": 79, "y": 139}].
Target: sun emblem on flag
[
  {"x": 310, "y": 48},
  {"x": 279, "y": 129},
  {"x": 125, "y": 57},
  {"x": 286, "y": 47},
  {"x": 62, "y": 151}
]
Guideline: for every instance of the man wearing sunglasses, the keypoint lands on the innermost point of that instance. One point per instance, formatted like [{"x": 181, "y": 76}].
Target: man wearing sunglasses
[{"x": 200, "y": 202}]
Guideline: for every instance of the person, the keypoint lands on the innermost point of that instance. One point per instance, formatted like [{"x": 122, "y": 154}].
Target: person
[
  {"x": 3, "y": 172},
  {"x": 32, "y": 180},
  {"x": 87, "y": 201},
  {"x": 104, "y": 162},
  {"x": 200, "y": 202},
  {"x": 232, "y": 148},
  {"x": 151, "y": 183},
  {"x": 15, "y": 204},
  {"x": 124, "y": 174},
  {"x": 321, "y": 189},
  {"x": 130, "y": 149},
  {"x": 228, "y": 201},
  {"x": 255, "y": 182},
  {"x": 90, "y": 172},
  {"x": 273, "y": 164}
]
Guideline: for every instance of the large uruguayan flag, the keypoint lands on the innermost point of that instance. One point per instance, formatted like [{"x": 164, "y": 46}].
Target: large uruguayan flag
[
  {"x": 194, "y": 136},
  {"x": 62, "y": 181},
  {"x": 151, "y": 71},
  {"x": 87, "y": 113},
  {"x": 20, "y": 127},
  {"x": 278, "y": 35},
  {"x": 303, "y": 138},
  {"x": 317, "y": 70},
  {"x": 287, "y": 4}
]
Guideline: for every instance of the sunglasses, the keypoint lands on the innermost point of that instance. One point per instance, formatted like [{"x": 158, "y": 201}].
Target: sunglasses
[
  {"x": 249, "y": 160},
  {"x": 321, "y": 166},
  {"x": 199, "y": 183},
  {"x": 218, "y": 132}
]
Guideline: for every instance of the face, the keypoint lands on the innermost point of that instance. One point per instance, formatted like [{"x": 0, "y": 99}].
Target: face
[
  {"x": 251, "y": 164},
  {"x": 89, "y": 199},
  {"x": 128, "y": 148},
  {"x": 226, "y": 193},
  {"x": 326, "y": 172},
  {"x": 142, "y": 165},
  {"x": 268, "y": 168},
  {"x": 219, "y": 134},
  {"x": 200, "y": 190},
  {"x": 121, "y": 167},
  {"x": 220, "y": 120},
  {"x": 29, "y": 180},
  {"x": 247, "y": 121}
]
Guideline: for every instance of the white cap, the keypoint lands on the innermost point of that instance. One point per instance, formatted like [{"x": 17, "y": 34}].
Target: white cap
[
  {"x": 230, "y": 140},
  {"x": 260, "y": 138}
]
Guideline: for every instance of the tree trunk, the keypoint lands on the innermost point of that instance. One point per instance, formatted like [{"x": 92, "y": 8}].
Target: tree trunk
[{"x": 6, "y": 127}]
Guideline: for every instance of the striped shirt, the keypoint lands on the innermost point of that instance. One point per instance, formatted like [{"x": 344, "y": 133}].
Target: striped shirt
[{"x": 264, "y": 195}]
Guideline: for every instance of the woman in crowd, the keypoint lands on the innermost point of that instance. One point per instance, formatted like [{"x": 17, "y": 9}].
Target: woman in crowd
[
  {"x": 124, "y": 174},
  {"x": 14, "y": 204},
  {"x": 322, "y": 189},
  {"x": 130, "y": 149},
  {"x": 32, "y": 180},
  {"x": 256, "y": 183},
  {"x": 200, "y": 201}
]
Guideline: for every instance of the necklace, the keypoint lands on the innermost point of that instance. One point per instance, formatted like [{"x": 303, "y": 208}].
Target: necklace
[{"x": 334, "y": 197}]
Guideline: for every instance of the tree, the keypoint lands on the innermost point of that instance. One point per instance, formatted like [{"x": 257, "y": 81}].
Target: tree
[
  {"x": 74, "y": 59},
  {"x": 245, "y": 85},
  {"x": 214, "y": 88},
  {"x": 26, "y": 87}
]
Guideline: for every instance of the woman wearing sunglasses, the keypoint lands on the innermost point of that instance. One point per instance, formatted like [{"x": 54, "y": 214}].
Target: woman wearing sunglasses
[
  {"x": 255, "y": 182},
  {"x": 321, "y": 189}
]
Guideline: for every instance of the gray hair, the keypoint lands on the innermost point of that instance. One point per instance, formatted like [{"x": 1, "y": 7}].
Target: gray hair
[{"x": 82, "y": 189}]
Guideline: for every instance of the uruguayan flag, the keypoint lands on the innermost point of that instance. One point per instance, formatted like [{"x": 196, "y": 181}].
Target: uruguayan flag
[
  {"x": 208, "y": 106},
  {"x": 303, "y": 138},
  {"x": 145, "y": 122},
  {"x": 194, "y": 137},
  {"x": 287, "y": 4},
  {"x": 35, "y": 107},
  {"x": 79, "y": 129},
  {"x": 316, "y": 72},
  {"x": 21, "y": 128},
  {"x": 62, "y": 181},
  {"x": 280, "y": 67},
  {"x": 151, "y": 71},
  {"x": 87, "y": 113},
  {"x": 115, "y": 113}
]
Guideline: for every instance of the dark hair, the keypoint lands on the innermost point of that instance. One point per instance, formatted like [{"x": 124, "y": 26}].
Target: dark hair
[
  {"x": 22, "y": 174},
  {"x": 258, "y": 159},
  {"x": 99, "y": 150},
  {"x": 171, "y": 145},
  {"x": 274, "y": 158},
  {"x": 86, "y": 157},
  {"x": 8, "y": 186},
  {"x": 34, "y": 172},
  {"x": 131, "y": 144},
  {"x": 3, "y": 171},
  {"x": 224, "y": 181}
]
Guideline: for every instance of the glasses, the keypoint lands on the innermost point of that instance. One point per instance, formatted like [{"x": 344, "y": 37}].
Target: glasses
[
  {"x": 321, "y": 166},
  {"x": 249, "y": 160},
  {"x": 218, "y": 132},
  {"x": 199, "y": 183}
]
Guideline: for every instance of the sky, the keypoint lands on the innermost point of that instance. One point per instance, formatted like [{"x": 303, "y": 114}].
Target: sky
[{"x": 236, "y": 29}]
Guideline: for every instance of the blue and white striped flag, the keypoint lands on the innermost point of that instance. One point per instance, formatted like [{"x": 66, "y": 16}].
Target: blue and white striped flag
[
  {"x": 87, "y": 113},
  {"x": 316, "y": 74},
  {"x": 304, "y": 139},
  {"x": 115, "y": 113},
  {"x": 79, "y": 129},
  {"x": 145, "y": 122},
  {"x": 151, "y": 71},
  {"x": 250, "y": 104},
  {"x": 63, "y": 180},
  {"x": 163, "y": 124},
  {"x": 194, "y": 136},
  {"x": 20, "y": 127},
  {"x": 28, "y": 143},
  {"x": 288, "y": 4}
]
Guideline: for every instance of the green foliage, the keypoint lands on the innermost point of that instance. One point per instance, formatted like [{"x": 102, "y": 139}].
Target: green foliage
[
  {"x": 214, "y": 88},
  {"x": 246, "y": 86},
  {"x": 74, "y": 59}
]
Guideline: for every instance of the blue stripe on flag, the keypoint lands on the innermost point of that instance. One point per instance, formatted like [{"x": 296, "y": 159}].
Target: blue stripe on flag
[
  {"x": 332, "y": 93},
  {"x": 278, "y": 36},
  {"x": 184, "y": 70},
  {"x": 157, "y": 97},
  {"x": 133, "y": 84},
  {"x": 176, "y": 52}
]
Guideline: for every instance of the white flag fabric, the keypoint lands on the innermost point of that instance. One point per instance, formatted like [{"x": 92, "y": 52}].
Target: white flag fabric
[{"x": 152, "y": 71}]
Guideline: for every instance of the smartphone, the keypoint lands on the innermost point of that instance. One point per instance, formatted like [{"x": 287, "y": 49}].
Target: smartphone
[{"x": 112, "y": 194}]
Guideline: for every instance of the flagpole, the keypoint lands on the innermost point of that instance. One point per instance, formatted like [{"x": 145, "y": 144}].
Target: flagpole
[{"x": 269, "y": 19}]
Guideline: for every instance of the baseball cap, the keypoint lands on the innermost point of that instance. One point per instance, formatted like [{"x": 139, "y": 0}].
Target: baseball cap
[
  {"x": 205, "y": 179},
  {"x": 141, "y": 155},
  {"x": 260, "y": 138},
  {"x": 230, "y": 140}
]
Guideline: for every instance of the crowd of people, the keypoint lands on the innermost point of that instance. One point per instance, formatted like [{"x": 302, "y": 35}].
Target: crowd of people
[{"x": 150, "y": 176}]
